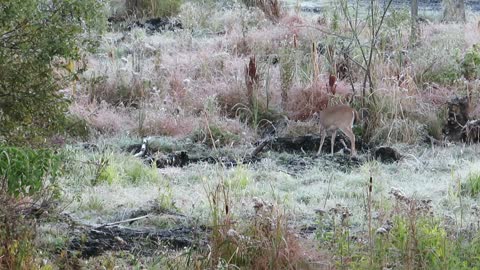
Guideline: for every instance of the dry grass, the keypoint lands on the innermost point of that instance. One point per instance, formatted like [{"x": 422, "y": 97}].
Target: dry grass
[{"x": 181, "y": 75}]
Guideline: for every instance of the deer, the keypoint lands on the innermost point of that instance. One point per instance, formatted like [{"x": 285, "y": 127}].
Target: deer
[{"x": 332, "y": 119}]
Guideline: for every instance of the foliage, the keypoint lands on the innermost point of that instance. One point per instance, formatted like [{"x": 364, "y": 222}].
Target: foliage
[
  {"x": 410, "y": 238},
  {"x": 154, "y": 8},
  {"x": 471, "y": 63},
  {"x": 16, "y": 237},
  {"x": 26, "y": 178},
  {"x": 472, "y": 185},
  {"x": 440, "y": 62},
  {"x": 76, "y": 127},
  {"x": 434, "y": 123},
  {"x": 120, "y": 90},
  {"x": 39, "y": 42},
  {"x": 215, "y": 135},
  {"x": 263, "y": 243},
  {"x": 25, "y": 171},
  {"x": 110, "y": 168}
]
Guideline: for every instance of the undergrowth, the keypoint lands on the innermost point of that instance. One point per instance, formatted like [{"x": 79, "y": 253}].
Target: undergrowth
[{"x": 407, "y": 236}]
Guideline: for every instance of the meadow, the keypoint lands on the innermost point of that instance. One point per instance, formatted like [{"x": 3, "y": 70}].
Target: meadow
[{"x": 220, "y": 78}]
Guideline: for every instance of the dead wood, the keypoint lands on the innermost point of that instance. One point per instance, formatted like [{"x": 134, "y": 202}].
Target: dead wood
[
  {"x": 458, "y": 109},
  {"x": 472, "y": 131},
  {"x": 310, "y": 143},
  {"x": 95, "y": 240},
  {"x": 130, "y": 221}
]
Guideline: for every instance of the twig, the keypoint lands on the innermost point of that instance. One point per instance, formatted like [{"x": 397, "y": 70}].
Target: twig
[
  {"x": 259, "y": 148},
  {"x": 122, "y": 221}
]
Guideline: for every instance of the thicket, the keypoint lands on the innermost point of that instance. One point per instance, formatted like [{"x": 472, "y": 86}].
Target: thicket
[
  {"x": 40, "y": 42},
  {"x": 27, "y": 188}
]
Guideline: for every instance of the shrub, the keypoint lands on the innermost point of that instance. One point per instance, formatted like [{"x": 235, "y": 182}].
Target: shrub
[
  {"x": 76, "y": 127},
  {"x": 27, "y": 178},
  {"x": 471, "y": 63},
  {"x": 110, "y": 168},
  {"x": 303, "y": 103},
  {"x": 25, "y": 171},
  {"x": 409, "y": 238},
  {"x": 287, "y": 73},
  {"x": 439, "y": 61},
  {"x": 154, "y": 8},
  {"x": 215, "y": 135},
  {"x": 16, "y": 236},
  {"x": 265, "y": 242},
  {"x": 46, "y": 31},
  {"x": 434, "y": 122},
  {"x": 121, "y": 90}
]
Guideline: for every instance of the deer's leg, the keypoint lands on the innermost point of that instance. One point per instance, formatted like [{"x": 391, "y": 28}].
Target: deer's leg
[
  {"x": 351, "y": 137},
  {"x": 333, "y": 140},
  {"x": 324, "y": 134}
]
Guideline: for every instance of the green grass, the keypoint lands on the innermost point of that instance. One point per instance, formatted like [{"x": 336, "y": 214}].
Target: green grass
[{"x": 472, "y": 184}]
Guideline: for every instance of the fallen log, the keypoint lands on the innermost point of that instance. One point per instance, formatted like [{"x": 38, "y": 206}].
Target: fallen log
[
  {"x": 130, "y": 221},
  {"x": 301, "y": 144},
  {"x": 310, "y": 143},
  {"x": 93, "y": 241}
]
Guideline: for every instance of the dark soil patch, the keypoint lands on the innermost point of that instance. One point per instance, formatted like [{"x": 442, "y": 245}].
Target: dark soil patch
[{"x": 94, "y": 241}]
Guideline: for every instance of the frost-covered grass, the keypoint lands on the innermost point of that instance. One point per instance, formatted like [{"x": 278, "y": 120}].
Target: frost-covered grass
[
  {"x": 187, "y": 86},
  {"x": 424, "y": 173}
]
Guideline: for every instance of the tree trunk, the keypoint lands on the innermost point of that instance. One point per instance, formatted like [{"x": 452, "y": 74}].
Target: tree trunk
[
  {"x": 454, "y": 11},
  {"x": 414, "y": 21}
]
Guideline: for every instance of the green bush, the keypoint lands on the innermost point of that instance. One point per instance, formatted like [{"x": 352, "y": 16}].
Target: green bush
[
  {"x": 36, "y": 38},
  {"x": 471, "y": 63},
  {"x": 111, "y": 168},
  {"x": 27, "y": 171},
  {"x": 439, "y": 62},
  {"x": 76, "y": 127},
  {"x": 26, "y": 176},
  {"x": 408, "y": 239},
  {"x": 154, "y": 8}
]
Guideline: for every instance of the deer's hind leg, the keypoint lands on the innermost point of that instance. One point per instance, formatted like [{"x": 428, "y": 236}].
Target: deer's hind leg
[
  {"x": 334, "y": 134},
  {"x": 351, "y": 137}
]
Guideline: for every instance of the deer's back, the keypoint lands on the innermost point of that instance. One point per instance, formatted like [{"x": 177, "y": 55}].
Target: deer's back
[{"x": 337, "y": 116}]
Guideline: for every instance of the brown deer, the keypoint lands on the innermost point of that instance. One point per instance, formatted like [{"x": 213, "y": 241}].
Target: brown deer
[{"x": 334, "y": 118}]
